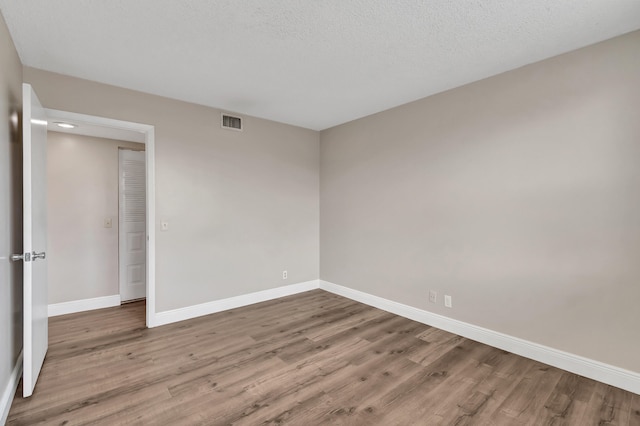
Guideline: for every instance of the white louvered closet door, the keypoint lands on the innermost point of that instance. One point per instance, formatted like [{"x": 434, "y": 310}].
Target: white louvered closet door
[{"x": 132, "y": 225}]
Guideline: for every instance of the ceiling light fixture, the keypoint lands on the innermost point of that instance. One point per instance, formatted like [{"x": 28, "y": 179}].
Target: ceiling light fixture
[{"x": 65, "y": 125}]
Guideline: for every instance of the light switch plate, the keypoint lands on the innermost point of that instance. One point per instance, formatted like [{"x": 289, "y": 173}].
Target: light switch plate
[
  {"x": 107, "y": 222},
  {"x": 447, "y": 301},
  {"x": 164, "y": 225}
]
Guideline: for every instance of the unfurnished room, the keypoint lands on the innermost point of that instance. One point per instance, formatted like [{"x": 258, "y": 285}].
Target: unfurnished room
[{"x": 319, "y": 212}]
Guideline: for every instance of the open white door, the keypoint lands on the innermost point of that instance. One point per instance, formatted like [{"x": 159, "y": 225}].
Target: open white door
[
  {"x": 132, "y": 225},
  {"x": 36, "y": 333}
]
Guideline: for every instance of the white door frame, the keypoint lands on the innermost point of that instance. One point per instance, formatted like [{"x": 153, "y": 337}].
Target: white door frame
[{"x": 149, "y": 141}]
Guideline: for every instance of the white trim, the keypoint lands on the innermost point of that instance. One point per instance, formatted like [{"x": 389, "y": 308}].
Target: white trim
[
  {"x": 83, "y": 305},
  {"x": 611, "y": 375},
  {"x": 98, "y": 121},
  {"x": 149, "y": 141},
  {"x": 10, "y": 390},
  {"x": 181, "y": 314},
  {"x": 150, "y": 150}
]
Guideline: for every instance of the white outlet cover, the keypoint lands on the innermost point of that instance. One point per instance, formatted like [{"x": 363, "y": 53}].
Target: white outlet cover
[
  {"x": 164, "y": 225},
  {"x": 447, "y": 301}
]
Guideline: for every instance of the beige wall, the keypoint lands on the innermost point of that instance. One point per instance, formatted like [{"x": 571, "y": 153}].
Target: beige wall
[
  {"x": 518, "y": 195},
  {"x": 82, "y": 190},
  {"x": 10, "y": 206},
  {"x": 241, "y": 206}
]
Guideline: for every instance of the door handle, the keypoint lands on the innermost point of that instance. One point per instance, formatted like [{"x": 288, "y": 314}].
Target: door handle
[
  {"x": 26, "y": 257},
  {"x": 41, "y": 255}
]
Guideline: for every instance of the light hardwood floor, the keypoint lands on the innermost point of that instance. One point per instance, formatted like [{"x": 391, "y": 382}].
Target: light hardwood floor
[{"x": 313, "y": 358}]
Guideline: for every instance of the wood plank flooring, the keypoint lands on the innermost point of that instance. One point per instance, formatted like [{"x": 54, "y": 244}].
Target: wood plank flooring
[{"x": 309, "y": 359}]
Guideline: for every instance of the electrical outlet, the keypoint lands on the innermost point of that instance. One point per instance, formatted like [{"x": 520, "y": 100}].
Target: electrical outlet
[
  {"x": 433, "y": 296},
  {"x": 447, "y": 301},
  {"x": 284, "y": 275}
]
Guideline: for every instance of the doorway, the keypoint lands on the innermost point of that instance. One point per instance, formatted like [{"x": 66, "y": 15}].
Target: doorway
[{"x": 142, "y": 271}]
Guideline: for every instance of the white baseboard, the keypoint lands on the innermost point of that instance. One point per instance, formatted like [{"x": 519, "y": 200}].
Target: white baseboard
[
  {"x": 10, "y": 390},
  {"x": 181, "y": 314},
  {"x": 83, "y": 305},
  {"x": 589, "y": 368}
]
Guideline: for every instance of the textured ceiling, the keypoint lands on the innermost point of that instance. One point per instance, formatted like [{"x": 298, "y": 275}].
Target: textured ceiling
[{"x": 314, "y": 64}]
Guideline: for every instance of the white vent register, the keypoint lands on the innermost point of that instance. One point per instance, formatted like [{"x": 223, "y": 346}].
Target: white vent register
[{"x": 231, "y": 122}]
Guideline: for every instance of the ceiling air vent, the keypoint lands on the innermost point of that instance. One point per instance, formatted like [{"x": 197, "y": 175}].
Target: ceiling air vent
[{"x": 231, "y": 122}]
